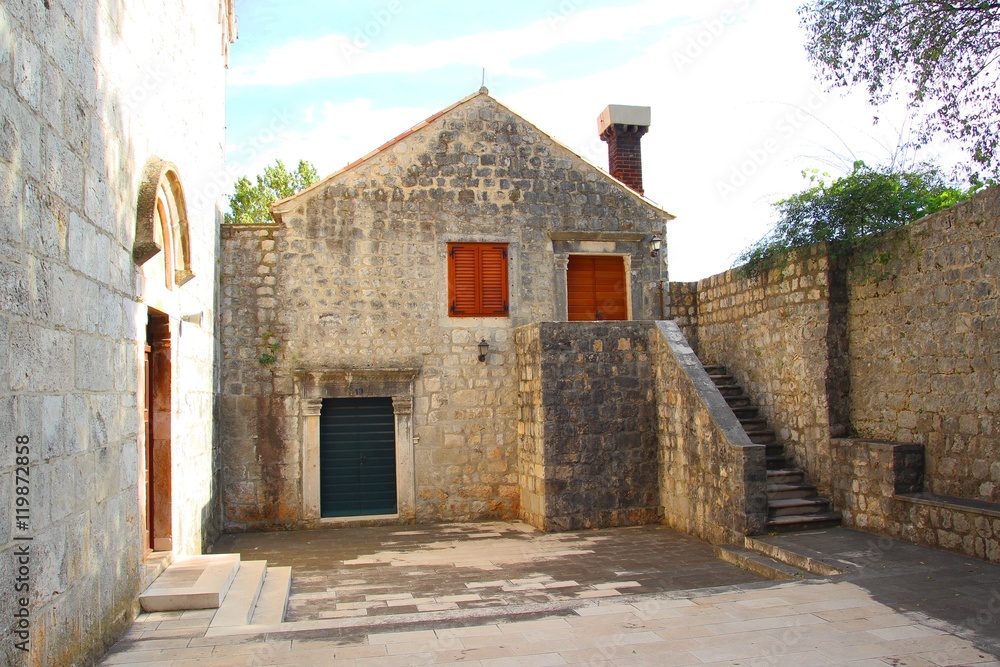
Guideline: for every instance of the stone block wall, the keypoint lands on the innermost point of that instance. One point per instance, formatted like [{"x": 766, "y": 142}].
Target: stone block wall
[
  {"x": 869, "y": 474},
  {"x": 772, "y": 333},
  {"x": 903, "y": 351},
  {"x": 88, "y": 93},
  {"x": 712, "y": 478},
  {"x": 683, "y": 310},
  {"x": 924, "y": 349},
  {"x": 587, "y": 444},
  {"x": 354, "y": 276}
]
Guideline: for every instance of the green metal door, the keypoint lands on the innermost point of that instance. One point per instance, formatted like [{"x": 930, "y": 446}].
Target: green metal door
[{"x": 357, "y": 457}]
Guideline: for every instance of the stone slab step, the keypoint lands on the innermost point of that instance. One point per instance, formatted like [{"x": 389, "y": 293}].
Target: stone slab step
[
  {"x": 803, "y": 521},
  {"x": 715, "y": 369},
  {"x": 761, "y": 436},
  {"x": 238, "y": 607},
  {"x": 808, "y": 561},
  {"x": 786, "y": 476},
  {"x": 737, "y": 400},
  {"x": 273, "y": 600},
  {"x": 758, "y": 563},
  {"x": 777, "y": 463},
  {"x": 797, "y": 506},
  {"x": 789, "y": 491},
  {"x": 192, "y": 582}
]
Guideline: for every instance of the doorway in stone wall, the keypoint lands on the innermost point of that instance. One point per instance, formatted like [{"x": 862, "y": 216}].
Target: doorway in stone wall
[
  {"x": 156, "y": 471},
  {"x": 596, "y": 288},
  {"x": 357, "y": 457}
]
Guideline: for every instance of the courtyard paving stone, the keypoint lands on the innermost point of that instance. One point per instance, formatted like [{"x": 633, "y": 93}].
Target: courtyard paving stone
[{"x": 503, "y": 594}]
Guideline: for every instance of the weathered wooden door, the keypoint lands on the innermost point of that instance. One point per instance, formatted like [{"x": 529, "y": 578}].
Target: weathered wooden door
[
  {"x": 147, "y": 419},
  {"x": 357, "y": 451},
  {"x": 596, "y": 288}
]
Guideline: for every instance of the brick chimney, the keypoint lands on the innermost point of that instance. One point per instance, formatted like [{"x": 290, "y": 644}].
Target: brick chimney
[{"x": 622, "y": 127}]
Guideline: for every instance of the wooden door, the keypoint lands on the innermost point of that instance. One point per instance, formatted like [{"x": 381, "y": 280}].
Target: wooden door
[
  {"x": 357, "y": 457},
  {"x": 596, "y": 288}
]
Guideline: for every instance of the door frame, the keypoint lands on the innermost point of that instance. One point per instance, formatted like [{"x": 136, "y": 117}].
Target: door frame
[{"x": 314, "y": 386}]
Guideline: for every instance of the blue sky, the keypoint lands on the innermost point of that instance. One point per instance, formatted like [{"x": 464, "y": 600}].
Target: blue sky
[{"x": 737, "y": 113}]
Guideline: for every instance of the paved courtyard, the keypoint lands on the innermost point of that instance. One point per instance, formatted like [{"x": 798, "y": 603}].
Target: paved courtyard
[{"x": 503, "y": 594}]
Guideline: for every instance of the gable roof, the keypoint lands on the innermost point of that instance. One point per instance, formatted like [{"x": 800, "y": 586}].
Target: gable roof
[{"x": 288, "y": 203}]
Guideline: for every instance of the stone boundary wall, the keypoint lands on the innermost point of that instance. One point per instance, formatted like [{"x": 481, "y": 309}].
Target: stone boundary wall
[
  {"x": 903, "y": 351},
  {"x": 771, "y": 333},
  {"x": 879, "y": 489},
  {"x": 712, "y": 478},
  {"x": 587, "y": 434},
  {"x": 683, "y": 310},
  {"x": 925, "y": 352}
]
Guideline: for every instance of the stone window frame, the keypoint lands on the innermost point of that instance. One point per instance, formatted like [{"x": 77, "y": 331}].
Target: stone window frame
[
  {"x": 395, "y": 383},
  {"x": 161, "y": 222}
]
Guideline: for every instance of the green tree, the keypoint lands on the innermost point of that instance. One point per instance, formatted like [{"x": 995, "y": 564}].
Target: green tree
[
  {"x": 251, "y": 204},
  {"x": 944, "y": 54},
  {"x": 851, "y": 212}
]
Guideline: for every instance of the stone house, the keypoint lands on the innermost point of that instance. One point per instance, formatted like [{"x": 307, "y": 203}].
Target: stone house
[
  {"x": 111, "y": 165},
  {"x": 368, "y": 355}
]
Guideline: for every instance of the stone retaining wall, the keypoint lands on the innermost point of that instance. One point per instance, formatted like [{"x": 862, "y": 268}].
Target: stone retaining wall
[{"x": 587, "y": 435}]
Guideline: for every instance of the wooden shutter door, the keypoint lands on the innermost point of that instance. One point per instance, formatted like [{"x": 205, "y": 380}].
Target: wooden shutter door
[{"x": 596, "y": 288}]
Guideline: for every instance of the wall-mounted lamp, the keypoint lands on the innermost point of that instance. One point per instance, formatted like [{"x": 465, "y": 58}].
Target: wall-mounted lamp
[
  {"x": 654, "y": 245},
  {"x": 484, "y": 347},
  {"x": 194, "y": 318}
]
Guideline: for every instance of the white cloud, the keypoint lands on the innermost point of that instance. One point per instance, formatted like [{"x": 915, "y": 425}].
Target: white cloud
[
  {"x": 736, "y": 116},
  {"x": 342, "y": 55}
]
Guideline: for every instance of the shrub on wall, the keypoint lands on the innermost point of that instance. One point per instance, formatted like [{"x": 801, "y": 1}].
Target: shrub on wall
[{"x": 850, "y": 213}]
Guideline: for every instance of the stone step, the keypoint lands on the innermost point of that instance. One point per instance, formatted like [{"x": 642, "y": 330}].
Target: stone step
[
  {"x": 192, "y": 582},
  {"x": 273, "y": 600},
  {"x": 801, "y": 558},
  {"x": 745, "y": 411},
  {"x": 715, "y": 369},
  {"x": 738, "y": 400},
  {"x": 237, "y": 608},
  {"x": 762, "y": 436},
  {"x": 797, "y": 506},
  {"x": 758, "y": 563},
  {"x": 776, "y": 463},
  {"x": 722, "y": 380},
  {"x": 753, "y": 424},
  {"x": 789, "y": 491},
  {"x": 786, "y": 476},
  {"x": 729, "y": 389},
  {"x": 803, "y": 522}
]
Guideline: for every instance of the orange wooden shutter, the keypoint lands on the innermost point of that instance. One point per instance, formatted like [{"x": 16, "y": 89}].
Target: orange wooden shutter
[
  {"x": 596, "y": 288},
  {"x": 477, "y": 280},
  {"x": 493, "y": 270}
]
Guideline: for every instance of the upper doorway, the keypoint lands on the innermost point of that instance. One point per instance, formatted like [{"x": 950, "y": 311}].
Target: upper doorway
[{"x": 597, "y": 288}]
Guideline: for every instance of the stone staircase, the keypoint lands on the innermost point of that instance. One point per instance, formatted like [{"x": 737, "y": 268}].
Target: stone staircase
[
  {"x": 792, "y": 501},
  {"x": 243, "y": 592}
]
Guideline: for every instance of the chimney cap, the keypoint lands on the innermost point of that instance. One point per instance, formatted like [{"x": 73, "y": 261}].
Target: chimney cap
[{"x": 622, "y": 114}]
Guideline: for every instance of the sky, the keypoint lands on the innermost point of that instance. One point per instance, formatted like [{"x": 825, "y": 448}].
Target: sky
[{"x": 738, "y": 113}]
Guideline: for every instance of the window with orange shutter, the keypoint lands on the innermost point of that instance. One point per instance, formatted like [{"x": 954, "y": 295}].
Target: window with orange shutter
[{"x": 477, "y": 280}]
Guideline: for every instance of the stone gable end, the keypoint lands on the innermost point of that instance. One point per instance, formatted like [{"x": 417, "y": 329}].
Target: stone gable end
[{"x": 353, "y": 277}]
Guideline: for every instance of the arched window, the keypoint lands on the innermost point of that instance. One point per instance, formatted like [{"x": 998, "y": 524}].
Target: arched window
[{"x": 162, "y": 223}]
